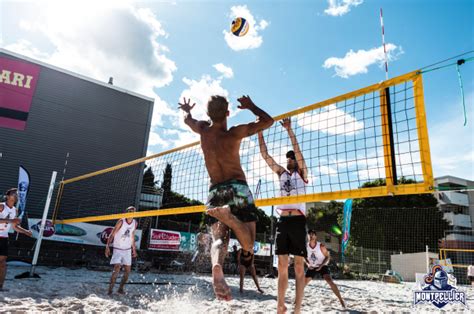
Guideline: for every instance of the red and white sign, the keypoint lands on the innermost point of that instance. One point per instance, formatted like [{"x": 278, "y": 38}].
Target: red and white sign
[
  {"x": 164, "y": 240},
  {"x": 17, "y": 86}
]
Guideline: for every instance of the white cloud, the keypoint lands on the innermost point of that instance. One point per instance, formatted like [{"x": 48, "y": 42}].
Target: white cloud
[
  {"x": 226, "y": 71},
  {"x": 357, "y": 62},
  {"x": 341, "y": 7},
  {"x": 122, "y": 42},
  {"x": 155, "y": 139},
  {"x": 252, "y": 39},
  {"x": 116, "y": 39},
  {"x": 330, "y": 120},
  {"x": 199, "y": 91}
]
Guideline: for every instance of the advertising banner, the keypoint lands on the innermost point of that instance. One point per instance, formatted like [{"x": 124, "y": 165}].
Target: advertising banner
[
  {"x": 18, "y": 81},
  {"x": 164, "y": 240},
  {"x": 80, "y": 233}
]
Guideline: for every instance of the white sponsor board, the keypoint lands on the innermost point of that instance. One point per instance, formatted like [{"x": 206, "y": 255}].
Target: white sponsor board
[{"x": 80, "y": 233}]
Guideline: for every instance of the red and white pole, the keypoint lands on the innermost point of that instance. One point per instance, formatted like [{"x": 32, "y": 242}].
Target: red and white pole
[{"x": 383, "y": 43}]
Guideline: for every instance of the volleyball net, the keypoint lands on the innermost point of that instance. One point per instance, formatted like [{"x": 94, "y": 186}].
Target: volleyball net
[{"x": 374, "y": 134}]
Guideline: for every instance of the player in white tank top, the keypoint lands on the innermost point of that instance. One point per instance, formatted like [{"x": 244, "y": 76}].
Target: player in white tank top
[
  {"x": 317, "y": 260},
  {"x": 8, "y": 220},
  {"x": 291, "y": 227},
  {"x": 124, "y": 248}
]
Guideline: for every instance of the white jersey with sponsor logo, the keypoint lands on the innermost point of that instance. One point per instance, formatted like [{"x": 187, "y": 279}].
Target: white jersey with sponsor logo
[
  {"x": 292, "y": 184},
  {"x": 315, "y": 255},
  {"x": 123, "y": 237},
  {"x": 7, "y": 213}
]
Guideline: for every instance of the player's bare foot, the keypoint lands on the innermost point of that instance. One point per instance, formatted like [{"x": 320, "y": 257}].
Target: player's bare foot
[
  {"x": 260, "y": 290},
  {"x": 343, "y": 304},
  {"x": 281, "y": 309},
  {"x": 221, "y": 289},
  {"x": 109, "y": 292},
  {"x": 220, "y": 213},
  {"x": 297, "y": 310},
  {"x": 121, "y": 291}
]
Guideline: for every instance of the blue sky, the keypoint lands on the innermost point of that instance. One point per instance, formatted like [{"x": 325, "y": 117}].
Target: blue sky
[{"x": 296, "y": 53}]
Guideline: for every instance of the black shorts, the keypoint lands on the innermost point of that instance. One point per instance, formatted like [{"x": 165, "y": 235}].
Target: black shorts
[
  {"x": 471, "y": 278},
  {"x": 3, "y": 246},
  {"x": 291, "y": 236},
  {"x": 237, "y": 195},
  {"x": 311, "y": 273}
]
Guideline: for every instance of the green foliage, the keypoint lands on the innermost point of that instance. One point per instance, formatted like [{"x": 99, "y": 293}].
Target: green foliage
[
  {"x": 323, "y": 219},
  {"x": 397, "y": 223}
]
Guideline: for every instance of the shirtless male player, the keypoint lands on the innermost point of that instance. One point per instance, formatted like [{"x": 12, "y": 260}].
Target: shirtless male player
[{"x": 230, "y": 203}]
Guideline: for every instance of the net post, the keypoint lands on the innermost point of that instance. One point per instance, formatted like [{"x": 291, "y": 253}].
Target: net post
[
  {"x": 43, "y": 222},
  {"x": 387, "y": 136},
  {"x": 58, "y": 201},
  {"x": 390, "y": 133}
]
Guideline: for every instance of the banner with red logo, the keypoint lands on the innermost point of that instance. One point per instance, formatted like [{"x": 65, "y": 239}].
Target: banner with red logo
[
  {"x": 18, "y": 80},
  {"x": 80, "y": 233},
  {"x": 164, "y": 240}
]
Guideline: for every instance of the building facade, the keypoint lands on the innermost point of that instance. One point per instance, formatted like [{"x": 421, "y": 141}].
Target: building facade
[
  {"x": 55, "y": 116},
  {"x": 456, "y": 201}
]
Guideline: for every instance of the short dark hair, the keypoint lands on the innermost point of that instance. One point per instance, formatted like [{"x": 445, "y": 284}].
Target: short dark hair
[
  {"x": 11, "y": 191},
  {"x": 311, "y": 231},
  {"x": 291, "y": 154},
  {"x": 217, "y": 108}
]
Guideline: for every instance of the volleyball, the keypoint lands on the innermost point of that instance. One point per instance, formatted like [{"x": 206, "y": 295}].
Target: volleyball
[{"x": 239, "y": 27}]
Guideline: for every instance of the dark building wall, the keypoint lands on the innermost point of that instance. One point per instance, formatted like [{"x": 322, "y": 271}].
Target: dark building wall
[{"x": 99, "y": 126}]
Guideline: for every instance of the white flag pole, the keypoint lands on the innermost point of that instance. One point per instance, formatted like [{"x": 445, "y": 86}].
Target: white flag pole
[{"x": 43, "y": 222}]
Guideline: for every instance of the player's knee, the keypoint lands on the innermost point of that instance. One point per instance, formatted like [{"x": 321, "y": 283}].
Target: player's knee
[
  {"x": 282, "y": 263},
  {"x": 282, "y": 269},
  {"x": 299, "y": 270}
]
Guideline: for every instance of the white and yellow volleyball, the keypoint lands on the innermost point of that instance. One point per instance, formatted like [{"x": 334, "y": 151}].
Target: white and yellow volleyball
[{"x": 239, "y": 27}]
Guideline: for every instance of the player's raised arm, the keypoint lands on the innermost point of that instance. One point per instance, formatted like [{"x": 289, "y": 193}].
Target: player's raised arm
[
  {"x": 268, "y": 159},
  {"x": 263, "y": 121},
  {"x": 286, "y": 123},
  {"x": 194, "y": 124}
]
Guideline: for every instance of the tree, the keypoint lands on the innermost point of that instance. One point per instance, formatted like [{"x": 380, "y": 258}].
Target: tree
[
  {"x": 403, "y": 223},
  {"x": 148, "y": 184},
  {"x": 166, "y": 185},
  {"x": 173, "y": 199},
  {"x": 324, "y": 217}
]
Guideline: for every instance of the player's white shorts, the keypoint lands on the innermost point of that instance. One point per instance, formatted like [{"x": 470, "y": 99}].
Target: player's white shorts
[{"x": 122, "y": 257}]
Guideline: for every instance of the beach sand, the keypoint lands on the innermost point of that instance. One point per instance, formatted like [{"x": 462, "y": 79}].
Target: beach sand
[{"x": 63, "y": 289}]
